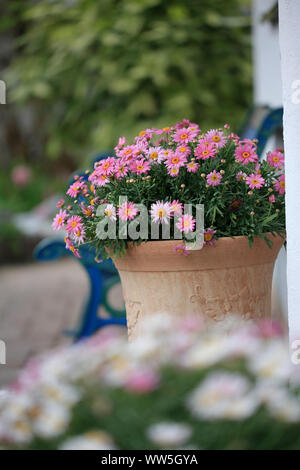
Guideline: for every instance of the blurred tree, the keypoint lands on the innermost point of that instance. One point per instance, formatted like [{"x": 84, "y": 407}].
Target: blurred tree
[{"x": 102, "y": 69}]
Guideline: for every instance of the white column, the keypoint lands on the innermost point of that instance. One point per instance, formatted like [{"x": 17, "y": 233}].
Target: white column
[
  {"x": 266, "y": 57},
  {"x": 289, "y": 37}
]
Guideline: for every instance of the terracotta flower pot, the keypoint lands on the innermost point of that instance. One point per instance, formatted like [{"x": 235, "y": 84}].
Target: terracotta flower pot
[{"x": 212, "y": 282}]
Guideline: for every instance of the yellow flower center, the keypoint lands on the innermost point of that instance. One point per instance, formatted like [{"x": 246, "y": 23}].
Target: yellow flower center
[
  {"x": 154, "y": 155},
  {"x": 142, "y": 133},
  {"x": 282, "y": 184},
  {"x": 214, "y": 177},
  {"x": 60, "y": 220},
  {"x": 73, "y": 224},
  {"x": 254, "y": 181},
  {"x": 183, "y": 136},
  {"x": 161, "y": 213},
  {"x": 166, "y": 129},
  {"x": 205, "y": 152},
  {"x": 207, "y": 237},
  {"x": 139, "y": 167},
  {"x": 216, "y": 138},
  {"x": 182, "y": 149},
  {"x": 108, "y": 212},
  {"x": 246, "y": 155},
  {"x": 179, "y": 250},
  {"x": 106, "y": 166},
  {"x": 275, "y": 159},
  {"x": 175, "y": 160}
]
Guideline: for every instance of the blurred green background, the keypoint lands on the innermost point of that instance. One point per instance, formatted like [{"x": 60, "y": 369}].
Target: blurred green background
[{"x": 81, "y": 73}]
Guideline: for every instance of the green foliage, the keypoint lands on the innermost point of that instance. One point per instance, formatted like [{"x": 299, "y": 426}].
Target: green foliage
[
  {"x": 101, "y": 69},
  {"x": 14, "y": 198},
  {"x": 10, "y": 237}
]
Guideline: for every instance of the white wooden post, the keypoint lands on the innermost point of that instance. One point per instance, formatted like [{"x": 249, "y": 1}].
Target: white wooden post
[
  {"x": 266, "y": 57},
  {"x": 289, "y": 38}
]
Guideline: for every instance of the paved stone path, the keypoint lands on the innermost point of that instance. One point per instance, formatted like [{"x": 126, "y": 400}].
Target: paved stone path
[{"x": 37, "y": 302}]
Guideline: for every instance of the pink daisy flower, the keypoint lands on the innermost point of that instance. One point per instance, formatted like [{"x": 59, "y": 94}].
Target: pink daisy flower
[
  {"x": 88, "y": 211},
  {"x": 110, "y": 211},
  {"x": 241, "y": 176},
  {"x": 175, "y": 161},
  {"x": 209, "y": 234},
  {"x": 102, "y": 180},
  {"x": 194, "y": 130},
  {"x": 182, "y": 124},
  {"x": 71, "y": 247},
  {"x": 186, "y": 223},
  {"x": 141, "y": 166},
  {"x": 75, "y": 189},
  {"x": 245, "y": 153},
  {"x": 181, "y": 250},
  {"x": 183, "y": 136},
  {"x": 280, "y": 184},
  {"x": 192, "y": 167},
  {"x": 255, "y": 181},
  {"x": 79, "y": 235},
  {"x": 59, "y": 220},
  {"x": 127, "y": 153},
  {"x": 216, "y": 137},
  {"x": 106, "y": 166},
  {"x": 164, "y": 130},
  {"x": 184, "y": 150},
  {"x": 127, "y": 211},
  {"x": 60, "y": 203},
  {"x": 155, "y": 154},
  {"x": 121, "y": 143},
  {"x": 205, "y": 150},
  {"x": 213, "y": 178},
  {"x": 275, "y": 159},
  {"x": 97, "y": 178},
  {"x": 121, "y": 170},
  {"x": 173, "y": 172},
  {"x": 176, "y": 207},
  {"x": 74, "y": 223},
  {"x": 167, "y": 153},
  {"x": 144, "y": 135},
  {"x": 272, "y": 198},
  {"x": 160, "y": 212}
]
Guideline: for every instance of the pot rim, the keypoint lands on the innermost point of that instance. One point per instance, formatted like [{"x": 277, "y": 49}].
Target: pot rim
[{"x": 228, "y": 252}]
